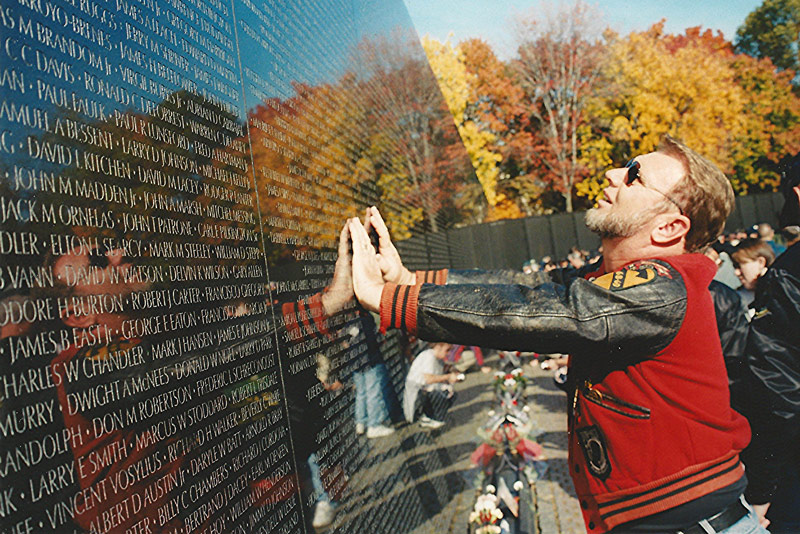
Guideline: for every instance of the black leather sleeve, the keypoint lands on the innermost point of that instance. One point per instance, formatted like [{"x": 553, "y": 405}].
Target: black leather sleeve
[
  {"x": 731, "y": 320},
  {"x": 773, "y": 344},
  {"x": 502, "y": 276},
  {"x": 573, "y": 317},
  {"x": 508, "y": 276}
]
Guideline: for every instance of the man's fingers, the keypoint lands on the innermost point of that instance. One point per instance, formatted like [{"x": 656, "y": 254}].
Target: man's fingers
[
  {"x": 367, "y": 222},
  {"x": 376, "y": 221},
  {"x": 358, "y": 234},
  {"x": 344, "y": 238}
]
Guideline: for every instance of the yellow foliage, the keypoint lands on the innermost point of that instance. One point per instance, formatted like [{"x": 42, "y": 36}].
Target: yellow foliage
[
  {"x": 505, "y": 208},
  {"x": 457, "y": 86},
  {"x": 659, "y": 86}
]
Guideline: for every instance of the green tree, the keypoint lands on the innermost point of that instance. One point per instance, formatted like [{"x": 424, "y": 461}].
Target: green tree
[{"x": 772, "y": 30}]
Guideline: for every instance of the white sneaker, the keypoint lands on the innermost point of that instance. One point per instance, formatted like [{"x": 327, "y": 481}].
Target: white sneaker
[
  {"x": 427, "y": 422},
  {"x": 359, "y": 428},
  {"x": 379, "y": 431},
  {"x": 324, "y": 513}
]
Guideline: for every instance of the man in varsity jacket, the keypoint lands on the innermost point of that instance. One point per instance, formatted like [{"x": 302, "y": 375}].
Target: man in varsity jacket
[{"x": 653, "y": 443}]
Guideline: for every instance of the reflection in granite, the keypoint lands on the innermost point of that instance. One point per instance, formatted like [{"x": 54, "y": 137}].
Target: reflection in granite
[{"x": 180, "y": 350}]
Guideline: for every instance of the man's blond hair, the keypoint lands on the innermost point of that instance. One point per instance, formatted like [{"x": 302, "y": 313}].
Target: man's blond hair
[{"x": 704, "y": 194}]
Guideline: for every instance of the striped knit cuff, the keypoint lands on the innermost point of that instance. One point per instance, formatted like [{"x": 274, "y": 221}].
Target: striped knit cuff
[
  {"x": 305, "y": 318},
  {"x": 432, "y": 277},
  {"x": 399, "y": 307}
]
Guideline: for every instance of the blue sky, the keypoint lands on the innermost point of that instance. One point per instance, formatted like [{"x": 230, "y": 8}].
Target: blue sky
[{"x": 491, "y": 19}]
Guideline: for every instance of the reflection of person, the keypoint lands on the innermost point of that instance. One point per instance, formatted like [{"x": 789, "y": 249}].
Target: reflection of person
[
  {"x": 305, "y": 319},
  {"x": 773, "y": 352},
  {"x": 129, "y": 410},
  {"x": 429, "y": 392},
  {"x": 374, "y": 398},
  {"x": 87, "y": 393},
  {"x": 637, "y": 327}
]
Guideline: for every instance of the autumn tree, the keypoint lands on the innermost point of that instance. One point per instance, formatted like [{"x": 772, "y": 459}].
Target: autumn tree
[
  {"x": 559, "y": 60},
  {"x": 460, "y": 91},
  {"x": 770, "y": 124},
  {"x": 501, "y": 105},
  {"x": 415, "y": 143},
  {"x": 656, "y": 84},
  {"x": 772, "y": 30}
]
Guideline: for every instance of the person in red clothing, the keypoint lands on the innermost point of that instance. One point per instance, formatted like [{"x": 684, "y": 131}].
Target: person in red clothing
[
  {"x": 139, "y": 430},
  {"x": 653, "y": 443}
]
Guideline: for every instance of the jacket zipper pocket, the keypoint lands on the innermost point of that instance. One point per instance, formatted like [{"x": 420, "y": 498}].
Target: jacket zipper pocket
[{"x": 613, "y": 403}]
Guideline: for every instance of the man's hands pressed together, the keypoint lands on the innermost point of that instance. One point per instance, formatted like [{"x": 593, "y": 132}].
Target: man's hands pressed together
[
  {"x": 388, "y": 258},
  {"x": 367, "y": 275}
]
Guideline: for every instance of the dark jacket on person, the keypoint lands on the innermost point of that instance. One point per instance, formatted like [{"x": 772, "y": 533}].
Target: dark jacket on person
[
  {"x": 773, "y": 356},
  {"x": 732, "y": 326},
  {"x": 645, "y": 363}
]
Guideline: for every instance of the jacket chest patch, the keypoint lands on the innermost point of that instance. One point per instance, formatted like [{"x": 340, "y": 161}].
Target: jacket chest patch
[{"x": 595, "y": 451}]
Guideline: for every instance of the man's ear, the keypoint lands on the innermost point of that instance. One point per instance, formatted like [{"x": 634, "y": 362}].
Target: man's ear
[{"x": 670, "y": 228}]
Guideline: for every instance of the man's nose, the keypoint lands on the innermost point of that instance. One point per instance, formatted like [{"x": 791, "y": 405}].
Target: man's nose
[{"x": 616, "y": 177}]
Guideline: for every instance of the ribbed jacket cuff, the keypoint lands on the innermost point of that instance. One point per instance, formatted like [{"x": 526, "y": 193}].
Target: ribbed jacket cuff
[
  {"x": 432, "y": 277},
  {"x": 399, "y": 307}
]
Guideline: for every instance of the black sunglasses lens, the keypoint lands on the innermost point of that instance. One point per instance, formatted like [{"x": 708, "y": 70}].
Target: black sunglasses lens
[{"x": 633, "y": 172}]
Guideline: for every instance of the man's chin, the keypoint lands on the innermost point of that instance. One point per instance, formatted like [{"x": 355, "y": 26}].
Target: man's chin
[{"x": 603, "y": 223}]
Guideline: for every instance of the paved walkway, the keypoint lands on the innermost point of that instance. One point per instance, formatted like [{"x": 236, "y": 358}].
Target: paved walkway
[
  {"x": 556, "y": 506},
  {"x": 420, "y": 481}
]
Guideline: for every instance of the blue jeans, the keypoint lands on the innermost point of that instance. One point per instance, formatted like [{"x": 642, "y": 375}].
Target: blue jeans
[
  {"x": 746, "y": 525},
  {"x": 372, "y": 395},
  {"x": 316, "y": 480}
]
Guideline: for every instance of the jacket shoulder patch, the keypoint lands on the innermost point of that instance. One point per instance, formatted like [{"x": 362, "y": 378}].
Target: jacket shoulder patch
[{"x": 628, "y": 277}]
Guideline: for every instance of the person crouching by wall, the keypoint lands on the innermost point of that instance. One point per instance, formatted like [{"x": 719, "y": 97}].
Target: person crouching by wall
[{"x": 429, "y": 391}]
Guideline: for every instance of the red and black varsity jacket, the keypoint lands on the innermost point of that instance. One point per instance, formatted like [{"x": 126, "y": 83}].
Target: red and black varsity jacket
[{"x": 650, "y": 425}]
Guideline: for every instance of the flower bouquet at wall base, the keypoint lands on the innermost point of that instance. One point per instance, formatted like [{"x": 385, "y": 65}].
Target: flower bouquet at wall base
[
  {"x": 508, "y": 441},
  {"x": 509, "y": 388},
  {"x": 486, "y": 517}
]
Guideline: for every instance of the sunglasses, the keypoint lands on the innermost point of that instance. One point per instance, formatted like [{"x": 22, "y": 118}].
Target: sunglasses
[{"x": 633, "y": 175}]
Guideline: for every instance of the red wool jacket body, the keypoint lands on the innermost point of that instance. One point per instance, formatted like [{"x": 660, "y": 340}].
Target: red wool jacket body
[{"x": 650, "y": 426}]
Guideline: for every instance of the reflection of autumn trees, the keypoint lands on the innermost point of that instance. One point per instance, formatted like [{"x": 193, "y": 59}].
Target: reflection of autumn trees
[
  {"x": 300, "y": 155},
  {"x": 421, "y": 154},
  {"x": 380, "y": 135},
  {"x": 176, "y": 175}
]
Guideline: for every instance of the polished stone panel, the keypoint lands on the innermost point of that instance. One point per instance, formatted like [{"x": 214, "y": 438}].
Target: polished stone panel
[{"x": 177, "y": 355}]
